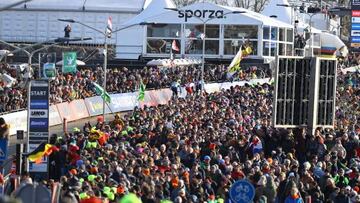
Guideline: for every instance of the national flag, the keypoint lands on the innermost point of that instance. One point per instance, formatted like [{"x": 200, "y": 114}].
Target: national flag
[
  {"x": 109, "y": 27},
  {"x": 174, "y": 46},
  {"x": 100, "y": 91},
  {"x": 42, "y": 150},
  {"x": 141, "y": 96},
  {"x": 235, "y": 63}
]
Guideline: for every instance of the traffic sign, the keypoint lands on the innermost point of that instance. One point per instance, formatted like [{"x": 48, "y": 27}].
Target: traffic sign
[{"x": 242, "y": 191}]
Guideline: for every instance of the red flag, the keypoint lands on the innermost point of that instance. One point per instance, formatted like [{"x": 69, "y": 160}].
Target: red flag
[
  {"x": 109, "y": 27},
  {"x": 174, "y": 46}
]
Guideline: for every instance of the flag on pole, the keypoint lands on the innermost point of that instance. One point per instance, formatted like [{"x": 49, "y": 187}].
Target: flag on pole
[
  {"x": 42, "y": 150},
  {"x": 174, "y": 46},
  {"x": 141, "y": 96},
  {"x": 109, "y": 27},
  {"x": 100, "y": 91},
  {"x": 235, "y": 63}
]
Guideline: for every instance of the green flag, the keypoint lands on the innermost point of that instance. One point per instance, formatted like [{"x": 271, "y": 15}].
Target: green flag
[
  {"x": 69, "y": 62},
  {"x": 100, "y": 91},
  {"x": 141, "y": 96}
]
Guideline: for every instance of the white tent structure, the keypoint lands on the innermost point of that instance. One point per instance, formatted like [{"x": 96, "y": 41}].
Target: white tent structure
[
  {"x": 321, "y": 41},
  {"x": 151, "y": 8},
  {"x": 226, "y": 31},
  {"x": 282, "y": 13}
]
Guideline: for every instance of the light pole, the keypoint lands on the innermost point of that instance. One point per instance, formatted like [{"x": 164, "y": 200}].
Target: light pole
[
  {"x": 13, "y": 5},
  {"x": 203, "y": 40},
  {"x": 311, "y": 34},
  {"x": 292, "y": 10},
  {"x": 106, "y": 35},
  {"x": 30, "y": 55}
]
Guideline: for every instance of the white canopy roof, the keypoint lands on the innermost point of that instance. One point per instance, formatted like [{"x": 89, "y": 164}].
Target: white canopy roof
[
  {"x": 283, "y": 13},
  {"x": 110, "y": 5},
  {"x": 172, "y": 17},
  {"x": 151, "y": 7}
]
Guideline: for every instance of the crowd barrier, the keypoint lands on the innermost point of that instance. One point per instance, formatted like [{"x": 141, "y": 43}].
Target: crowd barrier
[{"x": 92, "y": 106}]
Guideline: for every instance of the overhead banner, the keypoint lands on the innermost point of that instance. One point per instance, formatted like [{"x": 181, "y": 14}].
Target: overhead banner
[
  {"x": 47, "y": 65},
  {"x": 49, "y": 70},
  {"x": 69, "y": 62},
  {"x": 38, "y": 122},
  {"x": 355, "y": 25}
]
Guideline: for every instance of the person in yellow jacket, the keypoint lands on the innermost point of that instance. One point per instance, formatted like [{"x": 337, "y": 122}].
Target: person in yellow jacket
[{"x": 117, "y": 121}]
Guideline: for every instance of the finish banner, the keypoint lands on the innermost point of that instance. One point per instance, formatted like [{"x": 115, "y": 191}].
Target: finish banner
[{"x": 38, "y": 121}]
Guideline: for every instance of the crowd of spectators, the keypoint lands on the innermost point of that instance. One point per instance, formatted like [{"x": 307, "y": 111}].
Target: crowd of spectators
[
  {"x": 68, "y": 87},
  {"x": 193, "y": 149}
]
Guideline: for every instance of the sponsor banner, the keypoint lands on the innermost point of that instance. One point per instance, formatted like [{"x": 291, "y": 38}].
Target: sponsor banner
[
  {"x": 123, "y": 102},
  {"x": 49, "y": 70},
  {"x": 17, "y": 121},
  {"x": 95, "y": 106},
  {"x": 40, "y": 167},
  {"x": 355, "y": 39},
  {"x": 355, "y": 4},
  {"x": 78, "y": 108},
  {"x": 38, "y": 113},
  {"x": 355, "y": 19},
  {"x": 150, "y": 99},
  {"x": 38, "y": 121},
  {"x": 210, "y": 88},
  {"x": 54, "y": 117},
  {"x": 69, "y": 62},
  {"x": 355, "y": 13},
  {"x": 163, "y": 96},
  {"x": 39, "y": 104},
  {"x": 74, "y": 110},
  {"x": 355, "y": 26},
  {"x": 39, "y": 92},
  {"x": 38, "y": 124},
  {"x": 355, "y": 33}
]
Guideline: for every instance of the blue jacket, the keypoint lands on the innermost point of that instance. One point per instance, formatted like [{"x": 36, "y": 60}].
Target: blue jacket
[{"x": 289, "y": 199}]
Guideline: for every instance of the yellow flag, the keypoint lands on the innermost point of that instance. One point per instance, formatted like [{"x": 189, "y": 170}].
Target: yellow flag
[{"x": 235, "y": 63}]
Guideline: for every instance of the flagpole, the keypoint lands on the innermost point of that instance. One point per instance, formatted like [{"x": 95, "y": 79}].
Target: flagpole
[{"x": 105, "y": 70}]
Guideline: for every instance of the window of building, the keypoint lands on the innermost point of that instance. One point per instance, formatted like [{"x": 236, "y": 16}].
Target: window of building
[
  {"x": 266, "y": 32},
  {"x": 241, "y": 31},
  {"x": 164, "y": 30},
  {"x": 193, "y": 41}
]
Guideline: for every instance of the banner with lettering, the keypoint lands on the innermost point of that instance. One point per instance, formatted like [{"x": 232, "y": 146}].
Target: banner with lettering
[
  {"x": 38, "y": 122},
  {"x": 69, "y": 62}
]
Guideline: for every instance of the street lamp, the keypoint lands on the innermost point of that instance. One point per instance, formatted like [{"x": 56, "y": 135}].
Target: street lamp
[
  {"x": 54, "y": 43},
  {"x": 13, "y": 5},
  {"x": 311, "y": 34},
  {"x": 30, "y": 55},
  {"x": 106, "y": 35},
  {"x": 292, "y": 10},
  {"x": 203, "y": 40}
]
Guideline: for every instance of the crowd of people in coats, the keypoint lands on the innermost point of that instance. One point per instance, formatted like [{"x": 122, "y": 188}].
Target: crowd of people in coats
[
  {"x": 69, "y": 87},
  {"x": 193, "y": 149}
]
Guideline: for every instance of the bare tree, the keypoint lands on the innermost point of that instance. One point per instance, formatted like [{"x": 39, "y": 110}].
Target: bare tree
[
  {"x": 254, "y": 5},
  {"x": 184, "y": 2}
]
